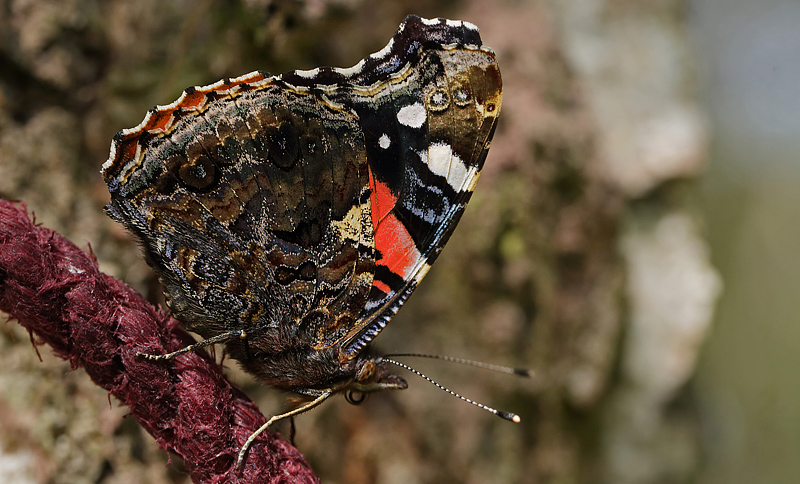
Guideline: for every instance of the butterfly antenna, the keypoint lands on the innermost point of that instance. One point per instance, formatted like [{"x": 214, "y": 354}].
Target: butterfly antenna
[
  {"x": 511, "y": 417},
  {"x": 461, "y": 361}
]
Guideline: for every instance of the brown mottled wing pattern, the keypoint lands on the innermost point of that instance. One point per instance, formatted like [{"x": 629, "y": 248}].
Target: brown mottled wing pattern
[
  {"x": 247, "y": 198},
  {"x": 313, "y": 201}
]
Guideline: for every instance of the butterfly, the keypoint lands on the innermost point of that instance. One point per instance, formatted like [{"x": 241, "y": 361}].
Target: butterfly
[{"x": 289, "y": 217}]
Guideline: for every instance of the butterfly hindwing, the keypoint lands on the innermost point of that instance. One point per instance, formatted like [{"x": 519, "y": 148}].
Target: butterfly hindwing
[{"x": 267, "y": 190}]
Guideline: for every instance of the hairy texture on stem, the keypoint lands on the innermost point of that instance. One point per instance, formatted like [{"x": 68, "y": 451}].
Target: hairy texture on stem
[{"x": 55, "y": 290}]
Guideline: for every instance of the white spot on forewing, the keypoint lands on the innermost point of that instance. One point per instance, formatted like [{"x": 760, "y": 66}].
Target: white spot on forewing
[
  {"x": 384, "y": 141},
  {"x": 430, "y": 21},
  {"x": 412, "y": 115},
  {"x": 443, "y": 162}
]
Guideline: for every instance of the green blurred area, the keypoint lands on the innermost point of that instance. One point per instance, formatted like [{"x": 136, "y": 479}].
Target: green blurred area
[
  {"x": 747, "y": 377},
  {"x": 748, "y": 372}
]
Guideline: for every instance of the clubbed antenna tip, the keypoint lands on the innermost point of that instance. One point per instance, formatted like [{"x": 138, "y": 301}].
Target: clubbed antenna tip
[{"x": 511, "y": 417}]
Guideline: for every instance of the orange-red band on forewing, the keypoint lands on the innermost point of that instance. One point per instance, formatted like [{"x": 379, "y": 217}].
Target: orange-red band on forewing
[
  {"x": 395, "y": 244},
  {"x": 382, "y": 200},
  {"x": 397, "y": 248}
]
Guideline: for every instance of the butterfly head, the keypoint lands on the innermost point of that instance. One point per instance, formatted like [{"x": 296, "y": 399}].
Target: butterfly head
[{"x": 373, "y": 375}]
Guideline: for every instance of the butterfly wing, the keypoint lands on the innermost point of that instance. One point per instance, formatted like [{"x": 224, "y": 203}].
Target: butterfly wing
[
  {"x": 445, "y": 119},
  {"x": 242, "y": 194},
  {"x": 313, "y": 202}
]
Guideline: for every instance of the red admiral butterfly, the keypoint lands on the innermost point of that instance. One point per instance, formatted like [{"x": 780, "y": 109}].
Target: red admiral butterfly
[{"x": 289, "y": 217}]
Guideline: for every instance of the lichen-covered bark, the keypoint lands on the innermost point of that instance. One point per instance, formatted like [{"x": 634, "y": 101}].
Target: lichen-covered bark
[
  {"x": 579, "y": 255},
  {"x": 635, "y": 66}
]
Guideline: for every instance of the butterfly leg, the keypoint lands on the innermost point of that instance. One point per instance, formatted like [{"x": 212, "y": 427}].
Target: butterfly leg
[
  {"x": 220, "y": 338},
  {"x": 305, "y": 408}
]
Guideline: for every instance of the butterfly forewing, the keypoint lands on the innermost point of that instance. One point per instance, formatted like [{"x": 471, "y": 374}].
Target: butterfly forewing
[{"x": 426, "y": 143}]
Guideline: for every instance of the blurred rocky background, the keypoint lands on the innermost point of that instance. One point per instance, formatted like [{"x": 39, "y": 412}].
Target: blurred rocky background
[{"x": 642, "y": 176}]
